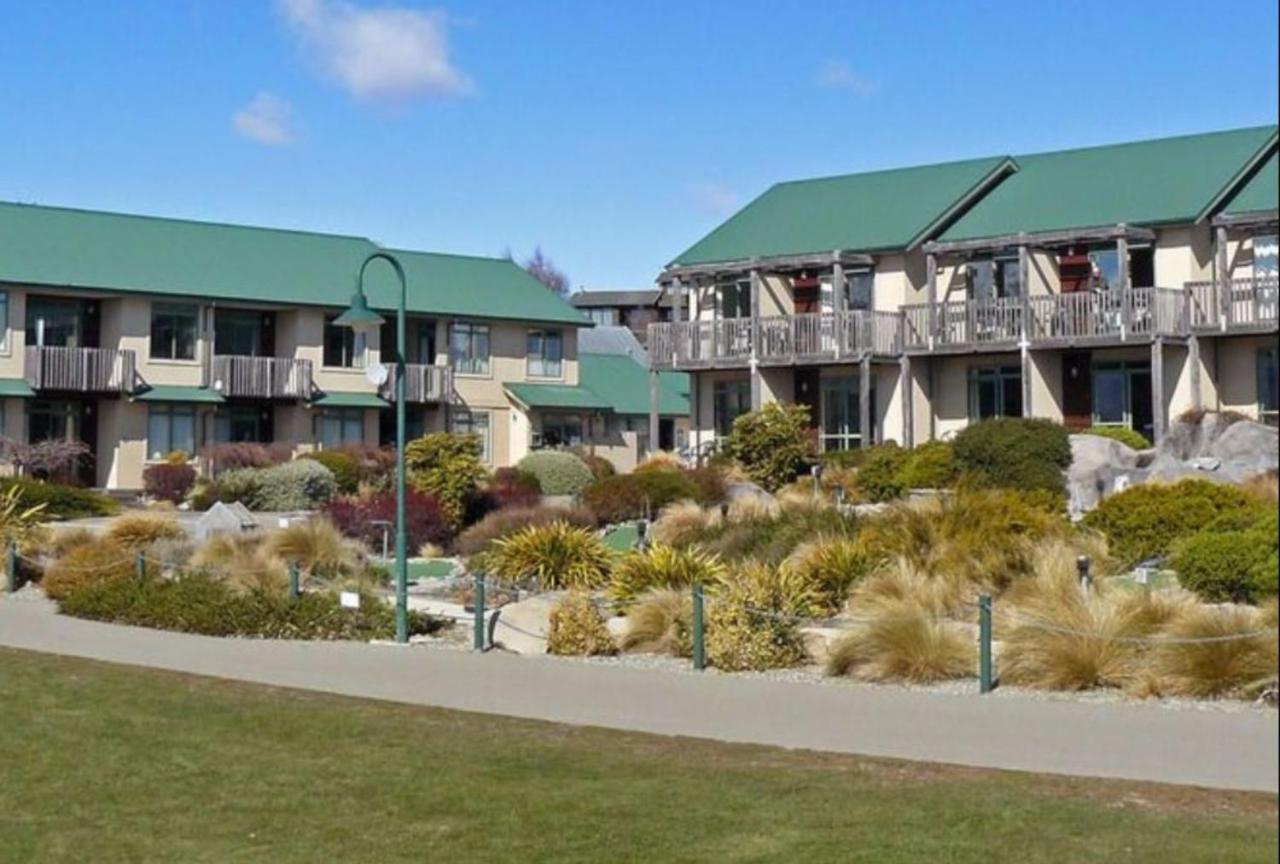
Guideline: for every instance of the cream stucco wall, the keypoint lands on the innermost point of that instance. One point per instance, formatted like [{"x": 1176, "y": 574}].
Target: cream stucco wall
[{"x": 1237, "y": 366}]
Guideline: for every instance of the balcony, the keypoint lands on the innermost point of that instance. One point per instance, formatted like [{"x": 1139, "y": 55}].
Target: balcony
[
  {"x": 84, "y": 370},
  {"x": 1246, "y": 306},
  {"x": 779, "y": 340},
  {"x": 238, "y": 376},
  {"x": 422, "y": 383}
]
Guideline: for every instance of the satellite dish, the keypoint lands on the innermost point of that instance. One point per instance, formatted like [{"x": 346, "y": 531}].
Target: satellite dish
[{"x": 377, "y": 374}]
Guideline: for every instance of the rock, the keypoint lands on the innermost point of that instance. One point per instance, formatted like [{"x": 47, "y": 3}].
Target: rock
[
  {"x": 1248, "y": 446},
  {"x": 1099, "y": 467},
  {"x": 617, "y": 626},
  {"x": 741, "y": 490},
  {"x": 818, "y": 642},
  {"x": 222, "y": 518},
  {"x": 522, "y": 627}
]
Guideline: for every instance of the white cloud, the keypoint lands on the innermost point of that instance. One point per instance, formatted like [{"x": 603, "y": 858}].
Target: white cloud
[
  {"x": 714, "y": 198},
  {"x": 839, "y": 75},
  {"x": 385, "y": 54},
  {"x": 267, "y": 119}
]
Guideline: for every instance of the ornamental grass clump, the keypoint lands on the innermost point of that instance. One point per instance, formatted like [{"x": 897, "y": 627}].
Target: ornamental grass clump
[
  {"x": 244, "y": 564},
  {"x": 87, "y": 564},
  {"x": 904, "y": 641},
  {"x": 753, "y": 619},
  {"x": 316, "y": 546},
  {"x": 660, "y": 622},
  {"x": 577, "y": 629},
  {"x": 137, "y": 531},
  {"x": 1215, "y": 651},
  {"x": 557, "y": 555},
  {"x": 832, "y": 565},
  {"x": 663, "y": 566},
  {"x": 683, "y": 521},
  {"x": 509, "y": 520}
]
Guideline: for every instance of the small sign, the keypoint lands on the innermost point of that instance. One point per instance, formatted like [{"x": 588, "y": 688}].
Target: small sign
[
  {"x": 349, "y": 600},
  {"x": 1142, "y": 576}
]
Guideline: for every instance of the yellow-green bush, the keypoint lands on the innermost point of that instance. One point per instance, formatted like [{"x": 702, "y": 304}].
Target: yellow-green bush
[
  {"x": 752, "y": 619},
  {"x": 447, "y": 467},
  {"x": 662, "y": 566},
  {"x": 832, "y": 565},
  {"x": 557, "y": 555},
  {"x": 577, "y": 628}
]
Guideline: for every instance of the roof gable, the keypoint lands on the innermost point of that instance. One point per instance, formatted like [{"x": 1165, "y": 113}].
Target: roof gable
[
  {"x": 1260, "y": 193},
  {"x": 1155, "y": 182},
  {"x": 868, "y": 212}
]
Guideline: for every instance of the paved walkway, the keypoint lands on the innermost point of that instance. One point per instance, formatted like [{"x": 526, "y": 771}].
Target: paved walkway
[{"x": 1234, "y": 750}]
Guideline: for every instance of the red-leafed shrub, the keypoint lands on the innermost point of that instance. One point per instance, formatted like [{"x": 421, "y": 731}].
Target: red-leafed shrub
[
  {"x": 355, "y": 517},
  {"x": 512, "y": 487},
  {"x": 246, "y": 454},
  {"x": 168, "y": 482}
]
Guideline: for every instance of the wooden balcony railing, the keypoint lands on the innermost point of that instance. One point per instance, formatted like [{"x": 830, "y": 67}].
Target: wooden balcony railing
[
  {"x": 88, "y": 370},
  {"x": 1246, "y": 304},
  {"x": 241, "y": 376},
  {"x": 994, "y": 322},
  {"x": 775, "y": 340},
  {"x": 422, "y": 383}
]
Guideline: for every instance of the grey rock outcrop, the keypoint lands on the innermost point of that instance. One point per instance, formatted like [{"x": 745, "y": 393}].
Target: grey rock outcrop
[{"x": 1099, "y": 467}]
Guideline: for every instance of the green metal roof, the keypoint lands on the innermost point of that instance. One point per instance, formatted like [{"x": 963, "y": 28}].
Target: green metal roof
[
  {"x": 174, "y": 393},
  {"x": 1262, "y": 192},
  {"x": 868, "y": 212},
  {"x": 350, "y": 400},
  {"x": 557, "y": 396},
  {"x": 1138, "y": 183},
  {"x": 64, "y": 247},
  {"x": 624, "y": 383},
  {"x": 16, "y": 387}
]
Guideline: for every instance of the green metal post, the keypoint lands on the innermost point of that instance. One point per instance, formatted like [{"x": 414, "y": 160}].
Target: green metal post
[
  {"x": 295, "y": 581},
  {"x": 140, "y": 566},
  {"x": 11, "y": 567},
  {"x": 477, "y": 600},
  {"x": 985, "y": 677},
  {"x": 699, "y": 644}
]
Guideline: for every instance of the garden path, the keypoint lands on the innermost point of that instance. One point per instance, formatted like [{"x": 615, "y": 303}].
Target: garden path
[{"x": 1200, "y": 746}]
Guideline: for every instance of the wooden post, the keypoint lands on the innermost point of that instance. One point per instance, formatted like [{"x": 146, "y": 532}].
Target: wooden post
[
  {"x": 1193, "y": 360},
  {"x": 677, "y": 313},
  {"x": 864, "y": 401},
  {"x": 1158, "y": 406},
  {"x": 1222, "y": 276},
  {"x": 1024, "y": 279},
  {"x": 653, "y": 407},
  {"x": 838, "y": 303},
  {"x": 1122, "y": 268},
  {"x": 908, "y": 402},
  {"x": 1027, "y": 369},
  {"x": 695, "y": 419},
  {"x": 756, "y": 383},
  {"x": 931, "y": 270}
]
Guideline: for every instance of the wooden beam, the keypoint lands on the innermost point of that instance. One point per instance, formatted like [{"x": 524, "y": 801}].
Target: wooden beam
[
  {"x": 1064, "y": 237},
  {"x": 1159, "y": 407},
  {"x": 839, "y": 301},
  {"x": 864, "y": 401},
  {"x": 1193, "y": 360},
  {"x": 695, "y": 418},
  {"x": 1122, "y": 268},
  {"x": 1028, "y": 366},
  {"x": 768, "y": 264},
  {"x": 1222, "y": 274},
  {"x": 1256, "y": 219},
  {"x": 677, "y": 300},
  {"x": 931, "y": 284},
  {"x": 653, "y": 408},
  {"x": 908, "y": 402}
]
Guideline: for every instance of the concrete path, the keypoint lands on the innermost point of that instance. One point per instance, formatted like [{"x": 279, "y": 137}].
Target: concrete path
[{"x": 1222, "y": 749}]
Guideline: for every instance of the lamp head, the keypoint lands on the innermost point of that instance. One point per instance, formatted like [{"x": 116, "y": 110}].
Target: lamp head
[{"x": 359, "y": 317}]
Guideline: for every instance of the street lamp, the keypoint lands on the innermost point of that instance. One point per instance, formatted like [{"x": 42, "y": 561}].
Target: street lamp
[{"x": 360, "y": 318}]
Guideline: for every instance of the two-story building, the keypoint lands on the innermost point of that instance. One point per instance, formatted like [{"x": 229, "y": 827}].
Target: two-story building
[
  {"x": 635, "y": 310},
  {"x": 141, "y": 336},
  {"x": 1114, "y": 285}
]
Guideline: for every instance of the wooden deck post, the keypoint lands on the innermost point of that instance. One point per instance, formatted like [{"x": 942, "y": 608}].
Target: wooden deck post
[
  {"x": 1158, "y": 406},
  {"x": 1222, "y": 275},
  {"x": 931, "y": 271},
  {"x": 677, "y": 313},
  {"x": 757, "y": 397},
  {"x": 1122, "y": 269},
  {"x": 695, "y": 416},
  {"x": 838, "y": 303},
  {"x": 1024, "y": 343},
  {"x": 1193, "y": 360},
  {"x": 653, "y": 407},
  {"x": 864, "y": 401},
  {"x": 908, "y": 402}
]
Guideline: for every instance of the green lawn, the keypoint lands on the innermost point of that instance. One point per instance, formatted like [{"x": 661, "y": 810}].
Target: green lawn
[{"x": 107, "y": 763}]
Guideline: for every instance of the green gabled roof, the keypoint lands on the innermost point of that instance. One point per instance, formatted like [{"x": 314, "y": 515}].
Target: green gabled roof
[
  {"x": 175, "y": 393},
  {"x": 349, "y": 400},
  {"x": 64, "y": 247},
  {"x": 875, "y": 211},
  {"x": 624, "y": 383},
  {"x": 1162, "y": 181},
  {"x": 566, "y": 396},
  {"x": 1260, "y": 193},
  {"x": 16, "y": 387}
]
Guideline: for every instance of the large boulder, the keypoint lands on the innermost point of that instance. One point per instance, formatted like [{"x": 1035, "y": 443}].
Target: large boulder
[
  {"x": 1215, "y": 448},
  {"x": 522, "y": 627},
  {"x": 1249, "y": 447},
  {"x": 1099, "y": 466}
]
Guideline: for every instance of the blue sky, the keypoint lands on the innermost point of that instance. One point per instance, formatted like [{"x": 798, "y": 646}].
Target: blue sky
[{"x": 613, "y": 134}]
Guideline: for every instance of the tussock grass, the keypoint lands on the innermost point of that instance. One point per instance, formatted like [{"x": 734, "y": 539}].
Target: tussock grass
[
  {"x": 900, "y": 581},
  {"x": 243, "y": 563},
  {"x": 557, "y": 555},
  {"x": 137, "y": 531},
  {"x": 683, "y": 521},
  {"x": 750, "y": 508},
  {"x": 663, "y": 566},
  {"x": 904, "y": 642},
  {"x": 1231, "y": 667},
  {"x": 660, "y": 622},
  {"x": 316, "y": 546}
]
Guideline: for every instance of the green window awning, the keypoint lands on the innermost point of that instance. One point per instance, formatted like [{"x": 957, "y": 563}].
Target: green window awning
[
  {"x": 174, "y": 393},
  {"x": 350, "y": 400},
  {"x": 557, "y": 396},
  {"x": 16, "y": 387}
]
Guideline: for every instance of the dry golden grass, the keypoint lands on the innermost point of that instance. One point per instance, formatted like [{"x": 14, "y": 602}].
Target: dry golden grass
[
  {"x": 798, "y": 495},
  {"x": 660, "y": 461},
  {"x": 316, "y": 546},
  {"x": 244, "y": 563},
  {"x": 834, "y": 565},
  {"x": 903, "y": 641},
  {"x": 1265, "y": 487},
  {"x": 137, "y": 531},
  {"x": 682, "y": 521},
  {"x": 900, "y": 580},
  {"x": 661, "y": 622},
  {"x": 748, "y": 508},
  {"x": 63, "y": 540},
  {"x": 1222, "y": 666},
  {"x": 85, "y": 565}
]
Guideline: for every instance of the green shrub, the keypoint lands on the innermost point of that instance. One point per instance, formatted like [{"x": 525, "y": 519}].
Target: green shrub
[
  {"x": 772, "y": 444},
  {"x": 1015, "y": 453},
  {"x": 662, "y": 566},
  {"x": 577, "y": 629},
  {"x": 930, "y": 466},
  {"x": 751, "y": 619},
  {"x": 1231, "y": 566},
  {"x": 558, "y": 555},
  {"x": 1144, "y": 521},
  {"x": 345, "y": 468},
  {"x": 61, "y": 502},
  {"x": 300, "y": 485},
  {"x": 600, "y": 466},
  {"x": 447, "y": 467},
  {"x": 879, "y": 476},
  {"x": 1126, "y": 436},
  {"x": 631, "y": 496},
  {"x": 559, "y": 472},
  {"x": 832, "y": 566}
]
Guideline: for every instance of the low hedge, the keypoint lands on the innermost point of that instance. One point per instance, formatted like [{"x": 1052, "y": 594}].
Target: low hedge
[
  {"x": 1123, "y": 434},
  {"x": 1231, "y": 566},
  {"x": 559, "y": 472},
  {"x": 345, "y": 468},
  {"x": 631, "y": 496},
  {"x": 61, "y": 502},
  {"x": 202, "y": 604},
  {"x": 303, "y": 484},
  {"x": 1014, "y": 453}
]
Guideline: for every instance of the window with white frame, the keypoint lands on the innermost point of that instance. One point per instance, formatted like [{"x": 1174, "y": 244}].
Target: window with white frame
[
  {"x": 545, "y": 353},
  {"x": 733, "y": 299},
  {"x": 173, "y": 331},
  {"x": 730, "y": 399},
  {"x": 339, "y": 426},
  {"x": 170, "y": 429},
  {"x": 469, "y": 348},
  {"x": 1266, "y": 256},
  {"x": 343, "y": 346},
  {"x": 560, "y": 430},
  {"x": 602, "y": 316},
  {"x": 995, "y": 392},
  {"x": 464, "y": 422},
  {"x": 1268, "y": 387}
]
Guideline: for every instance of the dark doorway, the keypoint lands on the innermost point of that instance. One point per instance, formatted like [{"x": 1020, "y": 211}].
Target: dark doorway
[
  {"x": 667, "y": 434},
  {"x": 808, "y": 392},
  {"x": 1077, "y": 391}
]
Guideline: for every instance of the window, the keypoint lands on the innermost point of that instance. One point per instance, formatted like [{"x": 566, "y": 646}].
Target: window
[
  {"x": 858, "y": 286},
  {"x": 240, "y": 332},
  {"x": 1104, "y": 267},
  {"x": 469, "y": 348},
  {"x": 545, "y": 351},
  {"x": 841, "y": 410},
  {"x": 340, "y": 426},
  {"x": 343, "y": 346},
  {"x": 1122, "y": 396},
  {"x": 173, "y": 331},
  {"x": 602, "y": 316},
  {"x": 1008, "y": 278},
  {"x": 733, "y": 300},
  {"x": 170, "y": 428},
  {"x": 560, "y": 430},
  {"x": 1268, "y": 388},
  {"x": 464, "y": 422},
  {"x": 4, "y": 320},
  {"x": 729, "y": 400},
  {"x": 234, "y": 424},
  {"x": 995, "y": 393},
  {"x": 1266, "y": 256},
  {"x": 56, "y": 322}
]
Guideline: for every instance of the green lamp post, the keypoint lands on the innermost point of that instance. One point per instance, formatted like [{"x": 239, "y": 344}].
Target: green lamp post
[{"x": 360, "y": 318}]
